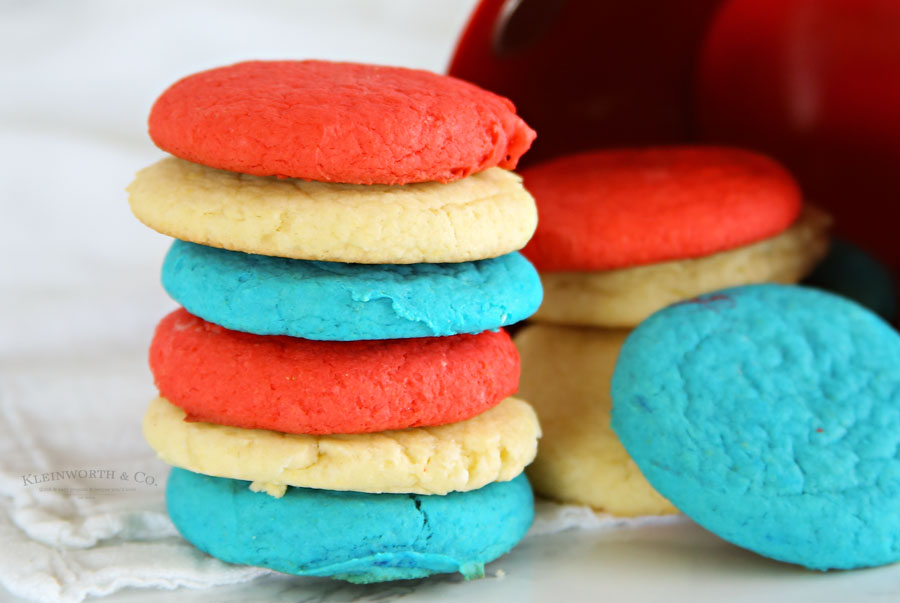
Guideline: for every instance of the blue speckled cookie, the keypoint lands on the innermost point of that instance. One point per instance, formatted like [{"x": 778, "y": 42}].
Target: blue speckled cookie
[
  {"x": 346, "y": 302},
  {"x": 350, "y": 535},
  {"x": 771, "y": 416},
  {"x": 851, "y": 272}
]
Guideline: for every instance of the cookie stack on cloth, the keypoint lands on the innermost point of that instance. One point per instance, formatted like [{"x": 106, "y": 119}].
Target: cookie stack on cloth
[
  {"x": 335, "y": 393},
  {"x": 624, "y": 233}
]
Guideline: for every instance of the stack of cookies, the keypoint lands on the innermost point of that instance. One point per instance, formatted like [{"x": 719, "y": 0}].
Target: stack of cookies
[
  {"x": 335, "y": 391},
  {"x": 623, "y": 234}
]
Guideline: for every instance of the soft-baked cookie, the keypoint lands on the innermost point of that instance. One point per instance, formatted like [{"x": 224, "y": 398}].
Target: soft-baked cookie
[
  {"x": 483, "y": 216},
  {"x": 493, "y": 446},
  {"x": 565, "y": 377},
  {"x": 770, "y": 415},
  {"x": 351, "y": 536},
  {"x": 625, "y": 297},
  {"x": 338, "y": 122},
  {"x": 610, "y": 209},
  {"x": 297, "y": 385},
  {"x": 346, "y": 302}
]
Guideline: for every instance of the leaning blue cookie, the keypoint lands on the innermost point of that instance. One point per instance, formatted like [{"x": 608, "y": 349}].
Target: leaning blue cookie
[
  {"x": 771, "y": 416},
  {"x": 350, "y": 536},
  {"x": 346, "y": 302}
]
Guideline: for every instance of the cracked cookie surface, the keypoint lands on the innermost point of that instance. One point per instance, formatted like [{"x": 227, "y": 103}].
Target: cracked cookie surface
[
  {"x": 770, "y": 415},
  {"x": 351, "y": 536},
  {"x": 348, "y": 302}
]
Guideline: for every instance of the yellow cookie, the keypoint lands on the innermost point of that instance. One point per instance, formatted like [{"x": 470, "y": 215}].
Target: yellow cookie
[
  {"x": 493, "y": 446},
  {"x": 566, "y": 373},
  {"x": 625, "y": 297},
  {"x": 485, "y": 215}
]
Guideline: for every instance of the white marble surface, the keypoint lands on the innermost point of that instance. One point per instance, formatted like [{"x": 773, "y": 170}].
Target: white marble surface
[{"x": 79, "y": 297}]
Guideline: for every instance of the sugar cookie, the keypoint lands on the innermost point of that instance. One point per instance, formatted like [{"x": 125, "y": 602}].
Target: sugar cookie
[
  {"x": 338, "y": 122},
  {"x": 625, "y": 297},
  {"x": 493, "y": 446},
  {"x": 483, "y": 216},
  {"x": 297, "y": 385},
  {"x": 565, "y": 377},
  {"x": 609, "y": 209},
  {"x": 351, "y": 536},
  {"x": 347, "y": 302},
  {"x": 770, "y": 415}
]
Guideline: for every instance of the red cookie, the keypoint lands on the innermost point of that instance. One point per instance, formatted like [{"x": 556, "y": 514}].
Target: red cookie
[
  {"x": 338, "y": 122},
  {"x": 604, "y": 210},
  {"x": 297, "y": 385}
]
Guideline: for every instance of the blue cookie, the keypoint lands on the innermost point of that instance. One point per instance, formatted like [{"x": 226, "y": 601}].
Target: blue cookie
[
  {"x": 350, "y": 535},
  {"x": 771, "y": 416},
  {"x": 851, "y": 272},
  {"x": 346, "y": 302}
]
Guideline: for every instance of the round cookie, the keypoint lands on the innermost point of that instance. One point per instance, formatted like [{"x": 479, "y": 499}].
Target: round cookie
[
  {"x": 493, "y": 446},
  {"x": 297, "y": 385},
  {"x": 351, "y": 536},
  {"x": 770, "y": 415},
  {"x": 853, "y": 273},
  {"x": 603, "y": 210},
  {"x": 565, "y": 377},
  {"x": 338, "y": 122},
  {"x": 348, "y": 302},
  {"x": 486, "y": 215},
  {"x": 625, "y": 297}
]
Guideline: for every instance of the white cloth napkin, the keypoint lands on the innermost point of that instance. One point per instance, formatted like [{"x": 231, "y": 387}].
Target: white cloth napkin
[{"x": 67, "y": 536}]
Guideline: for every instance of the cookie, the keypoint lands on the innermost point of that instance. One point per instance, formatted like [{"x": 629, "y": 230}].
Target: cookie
[
  {"x": 297, "y": 385},
  {"x": 565, "y": 377},
  {"x": 770, "y": 415},
  {"x": 347, "y": 302},
  {"x": 485, "y": 215},
  {"x": 338, "y": 122},
  {"x": 853, "y": 273},
  {"x": 604, "y": 210},
  {"x": 625, "y": 297},
  {"x": 493, "y": 446},
  {"x": 350, "y": 536}
]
